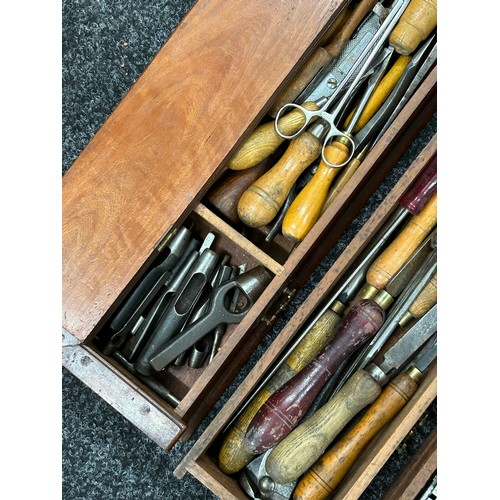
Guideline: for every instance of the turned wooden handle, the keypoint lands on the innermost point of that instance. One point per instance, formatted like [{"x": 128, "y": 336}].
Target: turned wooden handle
[
  {"x": 264, "y": 140},
  {"x": 233, "y": 455},
  {"x": 341, "y": 180},
  {"x": 305, "y": 444},
  {"x": 426, "y": 299},
  {"x": 383, "y": 89},
  {"x": 281, "y": 413},
  {"x": 325, "y": 475},
  {"x": 414, "y": 26},
  {"x": 308, "y": 205},
  {"x": 405, "y": 243},
  {"x": 261, "y": 202}
]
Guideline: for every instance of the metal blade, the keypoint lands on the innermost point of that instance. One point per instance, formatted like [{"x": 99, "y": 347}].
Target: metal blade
[
  {"x": 427, "y": 355},
  {"x": 398, "y": 355}
]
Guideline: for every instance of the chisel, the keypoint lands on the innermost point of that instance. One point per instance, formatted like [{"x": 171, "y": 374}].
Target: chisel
[
  {"x": 283, "y": 410},
  {"x": 305, "y": 444},
  {"x": 325, "y": 475}
]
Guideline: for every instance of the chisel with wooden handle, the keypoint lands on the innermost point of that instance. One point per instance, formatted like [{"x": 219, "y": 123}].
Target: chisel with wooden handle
[
  {"x": 326, "y": 474},
  {"x": 261, "y": 202},
  {"x": 283, "y": 410},
  {"x": 414, "y": 26},
  {"x": 325, "y": 54},
  {"x": 305, "y": 444}
]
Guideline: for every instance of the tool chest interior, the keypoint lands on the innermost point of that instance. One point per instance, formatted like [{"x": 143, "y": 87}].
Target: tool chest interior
[{"x": 128, "y": 165}]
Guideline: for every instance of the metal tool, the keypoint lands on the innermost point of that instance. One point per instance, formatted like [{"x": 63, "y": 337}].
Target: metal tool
[
  {"x": 257, "y": 483},
  {"x": 179, "y": 308},
  {"x": 251, "y": 284},
  {"x": 306, "y": 443},
  {"x": 360, "y": 66},
  {"x": 145, "y": 291},
  {"x": 325, "y": 475}
]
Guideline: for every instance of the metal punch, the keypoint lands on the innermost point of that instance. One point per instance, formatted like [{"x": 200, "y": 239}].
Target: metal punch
[
  {"x": 251, "y": 284},
  {"x": 332, "y": 118}
]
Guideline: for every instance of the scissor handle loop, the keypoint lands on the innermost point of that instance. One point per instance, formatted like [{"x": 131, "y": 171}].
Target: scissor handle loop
[
  {"x": 287, "y": 108},
  {"x": 334, "y": 132}
]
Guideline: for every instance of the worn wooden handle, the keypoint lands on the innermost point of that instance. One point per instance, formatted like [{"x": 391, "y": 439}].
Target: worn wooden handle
[
  {"x": 414, "y": 26},
  {"x": 405, "y": 243},
  {"x": 306, "y": 443},
  {"x": 264, "y": 140},
  {"x": 261, "y": 202},
  {"x": 426, "y": 299},
  {"x": 341, "y": 180},
  {"x": 233, "y": 455},
  {"x": 282, "y": 412},
  {"x": 308, "y": 205},
  {"x": 325, "y": 475},
  {"x": 383, "y": 89}
]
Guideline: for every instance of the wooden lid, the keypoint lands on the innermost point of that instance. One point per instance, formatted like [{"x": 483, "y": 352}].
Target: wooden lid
[{"x": 153, "y": 158}]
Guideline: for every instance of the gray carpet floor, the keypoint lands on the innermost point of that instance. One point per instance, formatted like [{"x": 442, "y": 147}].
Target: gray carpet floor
[{"x": 106, "y": 46}]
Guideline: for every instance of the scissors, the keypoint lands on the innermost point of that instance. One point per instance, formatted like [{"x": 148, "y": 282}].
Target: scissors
[{"x": 332, "y": 118}]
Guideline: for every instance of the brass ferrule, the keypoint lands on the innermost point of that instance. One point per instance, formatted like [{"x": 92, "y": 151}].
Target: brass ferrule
[
  {"x": 368, "y": 291},
  {"x": 338, "y": 307},
  {"x": 415, "y": 374},
  {"x": 408, "y": 316},
  {"x": 383, "y": 299}
]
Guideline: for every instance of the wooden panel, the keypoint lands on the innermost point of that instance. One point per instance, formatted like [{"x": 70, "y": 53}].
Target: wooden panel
[
  {"x": 152, "y": 159},
  {"x": 163, "y": 427}
]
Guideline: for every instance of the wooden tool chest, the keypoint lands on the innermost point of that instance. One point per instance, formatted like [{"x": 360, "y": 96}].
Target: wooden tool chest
[{"x": 148, "y": 171}]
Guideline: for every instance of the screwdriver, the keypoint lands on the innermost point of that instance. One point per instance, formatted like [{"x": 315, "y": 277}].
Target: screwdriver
[
  {"x": 325, "y": 475},
  {"x": 324, "y": 55},
  {"x": 283, "y": 410},
  {"x": 293, "y": 456},
  {"x": 261, "y": 202}
]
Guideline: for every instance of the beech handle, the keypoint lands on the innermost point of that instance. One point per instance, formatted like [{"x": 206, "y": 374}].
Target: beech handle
[
  {"x": 261, "y": 202},
  {"x": 325, "y": 475},
  {"x": 308, "y": 205},
  {"x": 233, "y": 455},
  {"x": 401, "y": 248},
  {"x": 306, "y": 443},
  {"x": 414, "y": 26},
  {"x": 264, "y": 140}
]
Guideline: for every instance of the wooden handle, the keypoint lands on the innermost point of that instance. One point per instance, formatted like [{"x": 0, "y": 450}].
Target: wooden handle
[
  {"x": 261, "y": 202},
  {"x": 223, "y": 197},
  {"x": 414, "y": 26},
  {"x": 426, "y": 299},
  {"x": 308, "y": 205},
  {"x": 233, "y": 455},
  {"x": 264, "y": 140},
  {"x": 405, "y": 243},
  {"x": 305, "y": 444},
  {"x": 320, "y": 481},
  {"x": 383, "y": 89},
  {"x": 287, "y": 406},
  {"x": 335, "y": 47}
]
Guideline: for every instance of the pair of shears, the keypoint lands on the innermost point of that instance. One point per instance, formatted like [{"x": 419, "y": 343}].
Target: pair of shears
[{"x": 333, "y": 117}]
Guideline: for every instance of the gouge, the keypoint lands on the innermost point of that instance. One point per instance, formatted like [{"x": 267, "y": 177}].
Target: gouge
[
  {"x": 305, "y": 444},
  {"x": 261, "y": 202},
  {"x": 415, "y": 25},
  {"x": 325, "y": 54},
  {"x": 325, "y": 475},
  {"x": 283, "y": 410}
]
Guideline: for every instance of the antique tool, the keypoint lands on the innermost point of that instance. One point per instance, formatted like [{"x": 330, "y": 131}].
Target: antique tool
[
  {"x": 146, "y": 290},
  {"x": 139, "y": 339},
  {"x": 415, "y": 25},
  {"x": 179, "y": 308},
  {"x": 304, "y": 445},
  {"x": 199, "y": 353},
  {"x": 261, "y": 202},
  {"x": 426, "y": 299},
  {"x": 282, "y": 411},
  {"x": 360, "y": 67},
  {"x": 325, "y": 54},
  {"x": 306, "y": 208},
  {"x": 251, "y": 284},
  {"x": 325, "y": 475},
  {"x": 413, "y": 74},
  {"x": 257, "y": 483}
]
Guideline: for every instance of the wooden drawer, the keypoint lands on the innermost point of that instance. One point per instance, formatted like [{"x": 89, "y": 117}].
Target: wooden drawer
[
  {"x": 205, "y": 92},
  {"x": 201, "y": 460}
]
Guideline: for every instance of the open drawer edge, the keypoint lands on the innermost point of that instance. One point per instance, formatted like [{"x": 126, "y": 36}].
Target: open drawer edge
[{"x": 157, "y": 422}]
